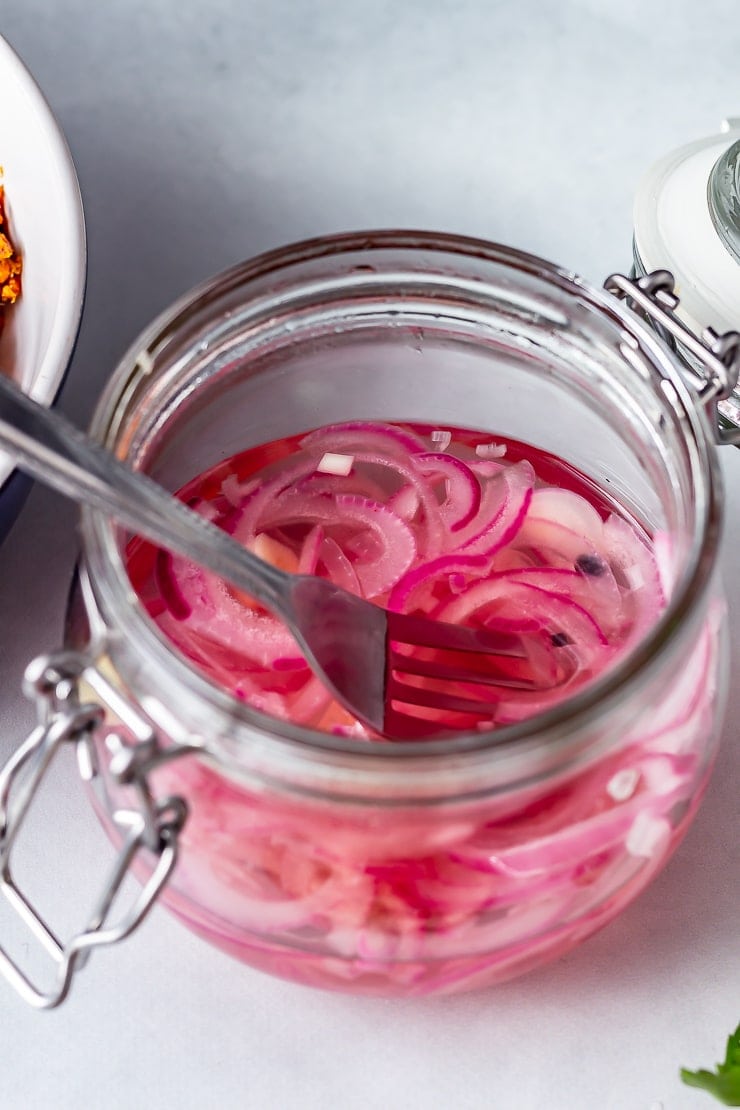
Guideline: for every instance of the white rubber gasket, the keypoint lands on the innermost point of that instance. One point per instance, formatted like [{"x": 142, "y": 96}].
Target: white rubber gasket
[{"x": 673, "y": 230}]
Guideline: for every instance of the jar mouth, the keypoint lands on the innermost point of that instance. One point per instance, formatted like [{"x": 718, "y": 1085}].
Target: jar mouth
[{"x": 554, "y": 727}]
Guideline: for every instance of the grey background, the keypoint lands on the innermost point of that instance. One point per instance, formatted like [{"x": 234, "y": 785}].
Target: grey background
[{"x": 204, "y": 132}]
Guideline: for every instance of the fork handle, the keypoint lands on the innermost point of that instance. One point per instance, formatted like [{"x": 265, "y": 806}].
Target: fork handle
[{"x": 49, "y": 448}]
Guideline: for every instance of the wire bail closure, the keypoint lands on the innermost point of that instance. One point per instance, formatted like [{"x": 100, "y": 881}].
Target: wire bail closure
[
  {"x": 711, "y": 361},
  {"x": 52, "y": 682}
]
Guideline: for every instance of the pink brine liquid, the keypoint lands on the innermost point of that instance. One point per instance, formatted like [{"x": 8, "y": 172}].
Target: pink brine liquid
[{"x": 465, "y": 528}]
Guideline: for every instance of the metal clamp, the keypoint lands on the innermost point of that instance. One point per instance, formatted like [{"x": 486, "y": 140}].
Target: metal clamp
[
  {"x": 52, "y": 682},
  {"x": 711, "y": 361}
]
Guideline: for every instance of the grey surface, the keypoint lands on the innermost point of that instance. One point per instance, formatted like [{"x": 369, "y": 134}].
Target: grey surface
[{"x": 203, "y": 133}]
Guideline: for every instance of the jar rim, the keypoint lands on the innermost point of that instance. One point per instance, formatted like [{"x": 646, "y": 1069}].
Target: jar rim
[{"x": 555, "y": 725}]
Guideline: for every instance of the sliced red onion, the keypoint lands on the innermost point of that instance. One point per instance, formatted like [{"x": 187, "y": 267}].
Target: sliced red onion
[
  {"x": 406, "y": 473},
  {"x": 570, "y": 510},
  {"x": 597, "y": 594},
  {"x": 224, "y": 620},
  {"x": 462, "y": 534},
  {"x": 553, "y": 544},
  {"x": 405, "y": 503},
  {"x": 562, "y": 619},
  {"x": 635, "y": 569},
  {"x": 394, "y": 543},
  {"x": 310, "y": 551},
  {"x": 360, "y": 482},
  {"x": 462, "y": 488},
  {"x": 342, "y": 438},
  {"x": 310, "y": 702},
  {"x": 236, "y": 491},
  {"x": 486, "y": 468},
  {"x": 338, "y": 567},
  {"x": 502, "y": 512},
  {"x": 411, "y": 589},
  {"x": 396, "y": 902}
]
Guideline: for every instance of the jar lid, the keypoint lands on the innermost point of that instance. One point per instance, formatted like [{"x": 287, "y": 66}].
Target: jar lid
[
  {"x": 687, "y": 220},
  {"x": 723, "y": 196}
]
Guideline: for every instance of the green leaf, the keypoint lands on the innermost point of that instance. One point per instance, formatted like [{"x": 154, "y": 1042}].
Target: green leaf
[{"x": 724, "y": 1084}]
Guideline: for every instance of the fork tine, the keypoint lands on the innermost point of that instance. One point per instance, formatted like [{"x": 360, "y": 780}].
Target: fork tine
[
  {"x": 433, "y": 668},
  {"x": 422, "y": 632},
  {"x": 400, "y": 725},
  {"x": 479, "y": 644},
  {"x": 436, "y": 699}
]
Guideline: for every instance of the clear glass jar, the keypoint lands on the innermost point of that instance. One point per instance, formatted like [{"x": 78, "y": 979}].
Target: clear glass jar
[
  {"x": 723, "y": 196},
  {"x": 424, "y": 867},
  {"x": 687, "y": 220}
]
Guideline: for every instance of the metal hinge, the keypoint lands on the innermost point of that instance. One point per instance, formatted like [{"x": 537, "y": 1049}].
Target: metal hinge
[
  {"x": 711, "y": 361},
  {"x": 52, "y": 682}
]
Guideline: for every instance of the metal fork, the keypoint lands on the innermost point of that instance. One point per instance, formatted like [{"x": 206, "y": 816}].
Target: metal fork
[{"x": 354, "y": 646}]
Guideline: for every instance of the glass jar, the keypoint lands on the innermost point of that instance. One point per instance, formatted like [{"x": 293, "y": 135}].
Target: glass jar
[
  {"x": 687, "y": 220},
  {"x": 406, "y": 868}
]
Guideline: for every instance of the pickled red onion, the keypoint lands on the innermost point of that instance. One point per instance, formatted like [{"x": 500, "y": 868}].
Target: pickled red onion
[
  {"x": 468, "y": 533},
  {"x": 337, "y": 897},
  {"x": 462, "y": 488}
]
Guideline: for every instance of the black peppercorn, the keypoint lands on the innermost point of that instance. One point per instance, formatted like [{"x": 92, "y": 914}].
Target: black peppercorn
[{"x": 590, "y": 565}]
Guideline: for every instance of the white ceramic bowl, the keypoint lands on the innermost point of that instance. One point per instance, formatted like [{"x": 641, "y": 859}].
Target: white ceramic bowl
[{"x": 44, "y": 209}]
